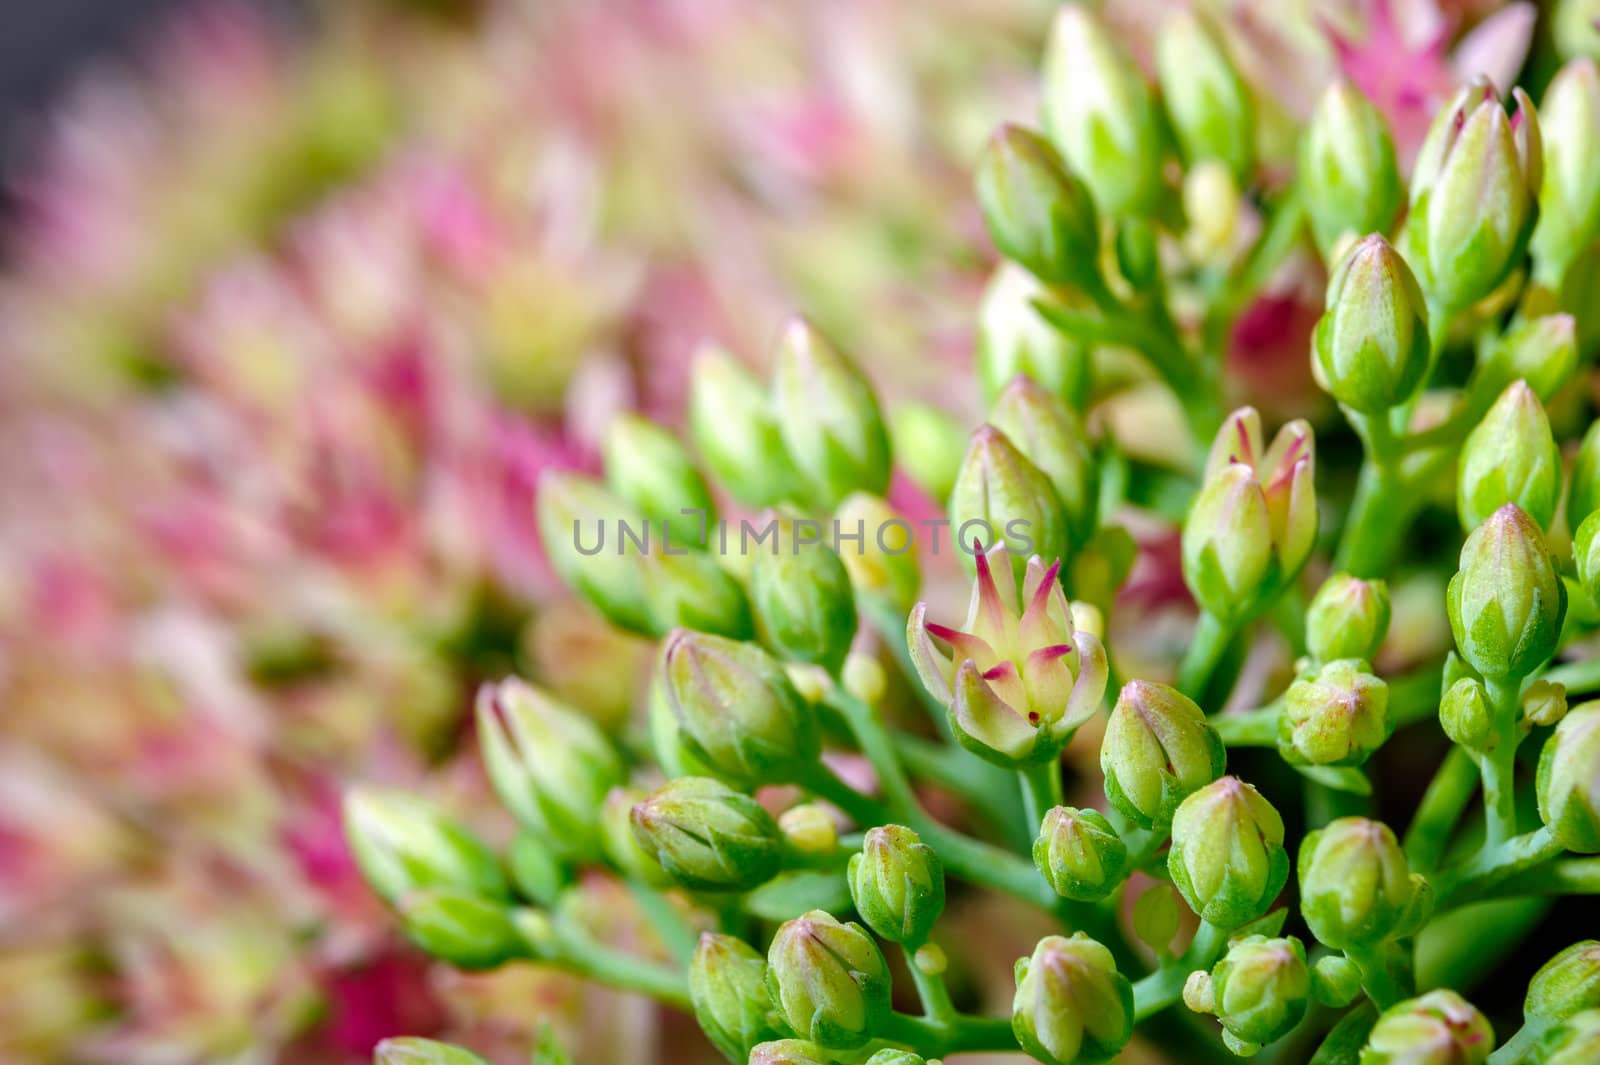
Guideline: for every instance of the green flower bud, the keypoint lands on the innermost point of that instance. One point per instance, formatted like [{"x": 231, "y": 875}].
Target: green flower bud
[
  {"x": 897, "y": 882},
  {"x": 829, "y": 979},
  {"x": 1260, "y": 988},
  {"x": 708, "y": 836},
  {"x": 620, "y": 844},
  {"x": 468, "y": 931},
  {"x": 1253, "y": 525},
  {"x": 688, "y": 589},
  {"x": 575, "y": 512},
  {"x": 409, "y": 1050},
  {"x": 1227, "y": 858},
  {"x": 804, "y": 603},
  {"x": 735, "y": 430},
  {"x": 1541, "y": 351},
  {"x": 1584, "y": 498},
  {"x": 1544, "y": 703},
  {"x": 667, "y": 741},
  {"x": 1567, "y": 984},
  {"x": 549, "y": 765},
  {"x": 737, "y": 710},
  {"x": 537, "y": 874},
  {"x": 1356, "y": 889},
  {"x": 1014, "y": 338},
  {"x": 1335, "y": 980},
  {"x": 829, "y": 418},
  {"x": 1348, "y": 175},
  {"x": 810, "y": 829},
  {"x": 896, "y": 1057},
  {"x": 928, "y": 443},
  {"x": 1371, "y": 343},
  {"x": 1002, "y": 497},
  {"x": 1511, "y": 457},
  {"x": 1586, "y": 554},
  {"x": 1439, "y": 1028},
  {"x": 1569, "y": 199},
  {"x": 1506, "y": 602},
  {"x": 1018, "y": 680},
  {"x": 1472, "y": 194},
  {"x": 1338, "y": 716},
  {"x": 789, "y": 1052},
  {"x": 403, "y": 844},
  {"x": 1099, "y": 112},
  {"x": 1038, "y": 214},
  {"x": 1072, "y": 1006},
  {"x": 1079, "y": 854},
  {"x": 1466, "y": 716},
  {"x": 1156, "y": 917},
  {"x": 648, "y": 467},
  {"x": 1347, "y": 619},
  {"x": 1209, "y": 103},
  {"x": 1575, "y": 1042},
  {"x": 1050, "y": 436},
  {"x": 885, "y": 561},
  {"x": 1569, "y": 780},
  {"x": 728, "y": 989},
  {"x": 1158, "y": 749}
]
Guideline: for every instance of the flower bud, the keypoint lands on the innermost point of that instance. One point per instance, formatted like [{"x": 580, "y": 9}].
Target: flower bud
[
  {"x": 1156, "y": 917},
  {"x": 928, "y": 443},
  {"x": 1569, "y": 199},
  {"x": 728, "y": 989},
  {"x": 1356, "y": 889},
  {"x": 1586, "y": 554},
  {"x": 1348, "y": 175},
  {"x": 1259, "y": 990},
  {"x": 897, "y": 882},
  {"x": 620, "y": 844},
  {"x": 737, "y": 710},
  {"x": 1439, "y": 1028},
  {"x": 890, "y": 1056},
  {"x": 648, "y": 467},
  {"x": 1569, "y": 780},
  {"x": 1072, "y": 1006},
  {"x": 1227, "y": 858},
  {"x": 1338, "y": 716},
  {"x": 549, "y": 765},
  {"x": 1002, "y": 497},
  {"x": 1511, "y": 457},
  {"x": 468, "y": 931},
  {"x": 574, "y": 512},
  {"x": 1347, "y": 619},
  {"x": 809, "y": 829},
  {"x": 1466, "y": 716},
  {"x": 1585, "y": 495},
  {"x": 1506, "y": 602},
  {"x": 537, "y": 874},
  {"x": 735, "y": 431},
  {"x": 1158, "y": 749},
  {"x": 1567, "y": 984},
  {"x": 708, "y": 836},
  {"x": 1335, "y": 980},
  {"x": 1371, "y": 344},
  {"x": 789, "y": 1052},
  {"x": 1209, "y": 103},
  {"x": 1573, "y": 1042},
  {"x": 884, "y": 561},
  {"x": 1038, "y": 214},
  {"x": 688, "y": 589},
  {"x": 804, "y": 604},
  {"x": 829, "y": 979},
  {"x": 1472, "y": 194},
  {"x": 1018, "y": 680},
  {"x": 1014, "y": 338},
  {"x": 1050, "y": 436},
  {"x": 403, "y": 844},
  {"x": 1099, "y": 112},
  {"x": 829, "y": 418},
  {"x": 1544, "y": 703},
  {"x": 1541, "y": 351},
  {"x": 1079, "y": 854},
  {"x": 409, "y": 1050}
]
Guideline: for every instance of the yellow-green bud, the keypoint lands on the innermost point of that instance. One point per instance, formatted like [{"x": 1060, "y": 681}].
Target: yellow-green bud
[
  {"x": 891, "y": 1056},
  {"x": 580, "y": 527},
  {"x": 1466, "y": 716},
  {"x": 728, "y": 989},
  {"x": 929, "y": 443},
  {"x": 805, "y": 606},
  {"x": 1000, "y": 496},
  {"x": 897, "y": 882},
  {"x": 1348, "y": 173},
  {"x": 1157, "y": 750},
  {"x": 809, "y": 829},
  {"x": 1072, "y": 1006},
  {"x": 468, "y": 931},
  {"x": 1584, "y": 499},
  {"x": 1052, "y": 437},
  {"x": 1506, "y": 603},
  {"x": 1347, "y": 618},
  {"x": 884, "y": 562},
  {"x": 1439, "y": 1028},
  {"x": 1227, "y": 857},
  {"x": 1079, "y": 854},
  {"x": 1356, "y": 890},
  {"x": 1574, "y": 1042},
  {"x": 1544, "y": 703},
  {"x": 1208, "y": 101},
  {"x": 829, "y": 979},
  {"x": 1510, "y": 457},
  {"x": 1338, "y": 716},
  {"x": 789, "y": 1052},
  {"x": 536, "y": 872},
  {"x": 620, "y": 844},
  {"x": 1586, "y": 555},
  {"x": 1569, "y": 780},
  {"x": 647, "y": 466},
  {"x": 1038, "y": 214},
  {"x": 1567, "y": 984},
  {"x": 1371, "y": 343},
  {"x": 690, "y": 590},
  {"x": 403, "y": 844},
  {"x": 1569, "y": 198},
  {"x": 409, "y": 1050},
  {"x": 708, "y": 836},
  {"x": 1335, "y": 980},
  {"x": 828, "y": 415},
  {"x": 1014, "y": 338},
  {"x": 1541, "y": 351},
  {"x": 1260, "y": 989},
  {"x": 735, "y": 430},
  {"x": 1156, "y": 917}
]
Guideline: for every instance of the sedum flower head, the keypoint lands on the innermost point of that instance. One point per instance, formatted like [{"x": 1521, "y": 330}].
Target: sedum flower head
[
  {"x": 728, "y": 989},
  {"x": 1227, "y": 857},
  {"x": 1079, "y": 854},
  {"x": 1347, "y": 169},
  {"x": 1157, "y": 750},
  {"x": 1569, "y": 780},
  {"x": 708, "y": 836},
  {"x": 829, "y": 979},
  {"x": 1019, "y": 677},
  {"x": 1260, "y": 989},
  {"x": 1371, "y": 344},
  {"x": 897, "y": 883},
  {"x": 1072, "y": 1006},
  {"x": 1356, "y": 889},
  {"x": 1439, "y": 1028},
  {"x": 1337, "y": 716},
  {"x": 1348, "y": 618},
  {"x": 1510, "y": 457},
  {"x": 1506, "y": 602}
]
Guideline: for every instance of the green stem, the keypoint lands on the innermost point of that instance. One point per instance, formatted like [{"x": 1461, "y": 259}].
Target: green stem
[
  {"x": 964, "y": 1033},
  {"x": 1206, "y": 648},
  {"x": 1494, "y": 863},
  {"x": 1376, "y": 978},
  {"x": 577, "y": 953},
  {"x": 1499, "y": 766},
  {"x": 932, "y": 992},
  {"x": 1518, "y": 1046},
  {"x": 1253, "y": 728},
  {"x": 1041, "y": 790},
  {"x": 973, "y": 780},
  {"x": 1570, "y": 876},
  {"x": 1441, "y": 808},
  {"x": 1163, "y": 987},
  {"x": 665, "y": 919},
  {"x": 1374, "y": 527}
]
